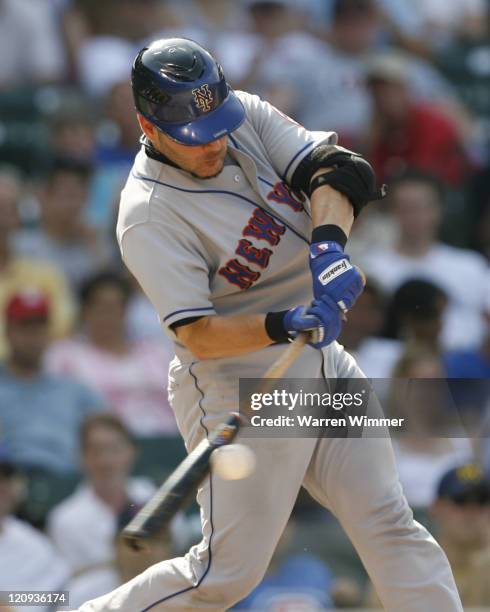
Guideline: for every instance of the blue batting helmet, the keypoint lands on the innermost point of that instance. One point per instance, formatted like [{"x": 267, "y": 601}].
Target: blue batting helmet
[{"x": 181, "y": 88}]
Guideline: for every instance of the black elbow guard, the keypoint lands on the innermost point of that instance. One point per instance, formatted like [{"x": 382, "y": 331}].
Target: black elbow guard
[{"x": 350, "y": 174}]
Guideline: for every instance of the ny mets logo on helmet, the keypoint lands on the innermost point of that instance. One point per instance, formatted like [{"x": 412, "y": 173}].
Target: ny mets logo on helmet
[{"x": 203, "y": 97}]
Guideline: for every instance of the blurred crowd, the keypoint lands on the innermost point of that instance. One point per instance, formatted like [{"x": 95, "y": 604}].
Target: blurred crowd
[{"x": 86, "y": 430}]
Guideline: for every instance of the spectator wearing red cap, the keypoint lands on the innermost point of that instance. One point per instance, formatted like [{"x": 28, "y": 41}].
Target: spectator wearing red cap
[
  {"x": 17, "y": 272},
  {"x": 40, "y": 414},
  {"x": 30, "y": 305}
]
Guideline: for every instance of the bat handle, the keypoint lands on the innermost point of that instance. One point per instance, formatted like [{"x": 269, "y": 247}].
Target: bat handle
[{"x": 279, "y": 367}]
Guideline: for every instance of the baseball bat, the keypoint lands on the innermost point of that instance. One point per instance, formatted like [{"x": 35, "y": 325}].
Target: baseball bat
[
  {"x": 178, "y": 487},
  {"x": 184, "y": 480},
  {"x": 173, "y": 494}
]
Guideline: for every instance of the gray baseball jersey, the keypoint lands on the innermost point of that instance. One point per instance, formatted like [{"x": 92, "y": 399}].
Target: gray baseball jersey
[{"x": 238, "y": 243}]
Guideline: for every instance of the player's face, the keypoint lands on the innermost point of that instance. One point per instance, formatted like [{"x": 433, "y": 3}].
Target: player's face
[{"x": 203, "y": 161}]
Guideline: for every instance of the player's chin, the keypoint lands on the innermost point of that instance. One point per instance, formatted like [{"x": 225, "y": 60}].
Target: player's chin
[{"x": 207, "y": 171}]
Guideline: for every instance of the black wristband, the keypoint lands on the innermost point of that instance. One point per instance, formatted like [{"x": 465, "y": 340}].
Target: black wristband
[
  {"x": 274, "y": 326},
  {"x": 329, "y": 233}
]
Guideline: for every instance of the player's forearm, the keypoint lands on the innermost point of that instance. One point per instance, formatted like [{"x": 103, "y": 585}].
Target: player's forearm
[
  {"x": 215, "y": 337},
  {"x": 329, "y": 206}
]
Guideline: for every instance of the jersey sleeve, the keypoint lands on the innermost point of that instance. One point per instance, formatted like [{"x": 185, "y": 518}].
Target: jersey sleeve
[
  {"x": 286, "y": 141},
  {"x": 171, "y": 269}
]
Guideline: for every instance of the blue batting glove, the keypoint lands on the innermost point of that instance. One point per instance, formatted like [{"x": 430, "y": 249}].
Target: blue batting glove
[
  {"x": 330, "y": 317},
  {"x": 322, "y": 319},
  {"x": 296, "y": 320},
  {"x": 334, "y": 275}
]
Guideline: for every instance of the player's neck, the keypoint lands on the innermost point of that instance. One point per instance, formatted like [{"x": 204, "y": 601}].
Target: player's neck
[{"x": 154, "y": 153}]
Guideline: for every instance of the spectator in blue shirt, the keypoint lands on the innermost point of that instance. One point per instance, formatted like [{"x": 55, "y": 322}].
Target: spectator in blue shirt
[{"x": 40, "y": 414}]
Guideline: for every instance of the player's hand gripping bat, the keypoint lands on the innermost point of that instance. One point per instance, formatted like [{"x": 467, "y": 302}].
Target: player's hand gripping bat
[{"x": 172, "y": 495}]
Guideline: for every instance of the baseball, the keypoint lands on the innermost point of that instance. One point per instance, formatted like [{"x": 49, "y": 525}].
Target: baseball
[{"x": 233, "y": 462}]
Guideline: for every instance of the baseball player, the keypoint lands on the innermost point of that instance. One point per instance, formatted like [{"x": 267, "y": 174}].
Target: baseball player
[{"x": 227, "y": 202}]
